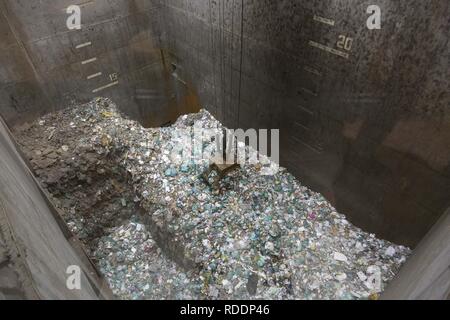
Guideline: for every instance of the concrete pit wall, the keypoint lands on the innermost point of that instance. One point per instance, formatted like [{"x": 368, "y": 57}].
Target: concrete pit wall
[
  {"x": 36, "y": 248},
  {"x": 367, "y": 125},
  {"x": 45, "y": 66}
]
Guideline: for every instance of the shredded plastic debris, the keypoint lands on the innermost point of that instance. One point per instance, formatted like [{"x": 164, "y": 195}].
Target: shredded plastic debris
[
  {"x": 258, "y": 236},
  {"x": 136, "y": 268}
]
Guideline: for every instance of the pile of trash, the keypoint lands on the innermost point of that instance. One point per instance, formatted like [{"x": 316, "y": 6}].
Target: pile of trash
[
  {"x": 137, "y": 269},
  {"x": 258, "y": 236}
]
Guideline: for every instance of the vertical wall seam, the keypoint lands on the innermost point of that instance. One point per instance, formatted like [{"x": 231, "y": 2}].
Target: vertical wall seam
[{"x": 240, "y": 64}]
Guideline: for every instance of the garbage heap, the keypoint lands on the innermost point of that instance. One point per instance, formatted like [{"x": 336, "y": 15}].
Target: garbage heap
[{"x": 156, "y": 230}]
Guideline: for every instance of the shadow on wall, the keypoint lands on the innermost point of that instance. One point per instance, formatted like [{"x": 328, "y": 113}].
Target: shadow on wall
[
  {"x": 404, "y": 174},
  {"x": 160, "y": 97},
  {"x": 166, "y": 98}
]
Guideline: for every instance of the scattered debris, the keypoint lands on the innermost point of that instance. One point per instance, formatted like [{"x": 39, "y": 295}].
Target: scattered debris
[
  {"x": 340, "y": 257},
  {"x": 157, "y": 230},
  {"x": 137, "y": 269}
]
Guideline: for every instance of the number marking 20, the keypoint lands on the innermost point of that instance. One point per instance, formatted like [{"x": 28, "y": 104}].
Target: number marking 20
[{"x": 345, "y": 43}]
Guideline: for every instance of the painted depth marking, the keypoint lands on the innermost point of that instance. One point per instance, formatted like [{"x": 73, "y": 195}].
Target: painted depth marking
[
  {"x": 87, "y": 44},
  {"x": 329, "y": 49},
  {"x": 313, "y": 71},
  {"x": 306, "y": 110},
  {"x": 313, "y": 148},
  {"x": 308, "y": 91},
  {"x": 112, "y": 84},
  {"x": 92, "y": 76},
  {"x": 302, "y": 126},
  {"x": 89, "y": 61},
  {"x": 324, "y": 20}
]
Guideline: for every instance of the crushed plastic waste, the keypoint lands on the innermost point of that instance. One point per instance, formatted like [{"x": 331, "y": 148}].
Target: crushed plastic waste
[
  {"x": 157, "y": 230},
  {"x": 137, "y": 269}
]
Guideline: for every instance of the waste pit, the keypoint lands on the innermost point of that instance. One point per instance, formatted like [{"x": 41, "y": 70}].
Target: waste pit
[{"x": 156, "y": 230}]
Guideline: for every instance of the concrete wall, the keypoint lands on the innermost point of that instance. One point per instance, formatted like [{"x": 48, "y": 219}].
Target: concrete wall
[
  {"x": 21, "y": 93},
  {"x": 368, "y": 127},
  {"x": 426, "y": 274},
  {"x": 43, "y": 67},
  {"x": 35, "y": 252}
]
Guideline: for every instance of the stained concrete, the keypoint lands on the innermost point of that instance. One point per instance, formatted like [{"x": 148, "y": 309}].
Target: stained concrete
[
  {"x": 45, "y": 69},
  {"x": 369, "y": 127},
  {"x": 370, "y": 130}
]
